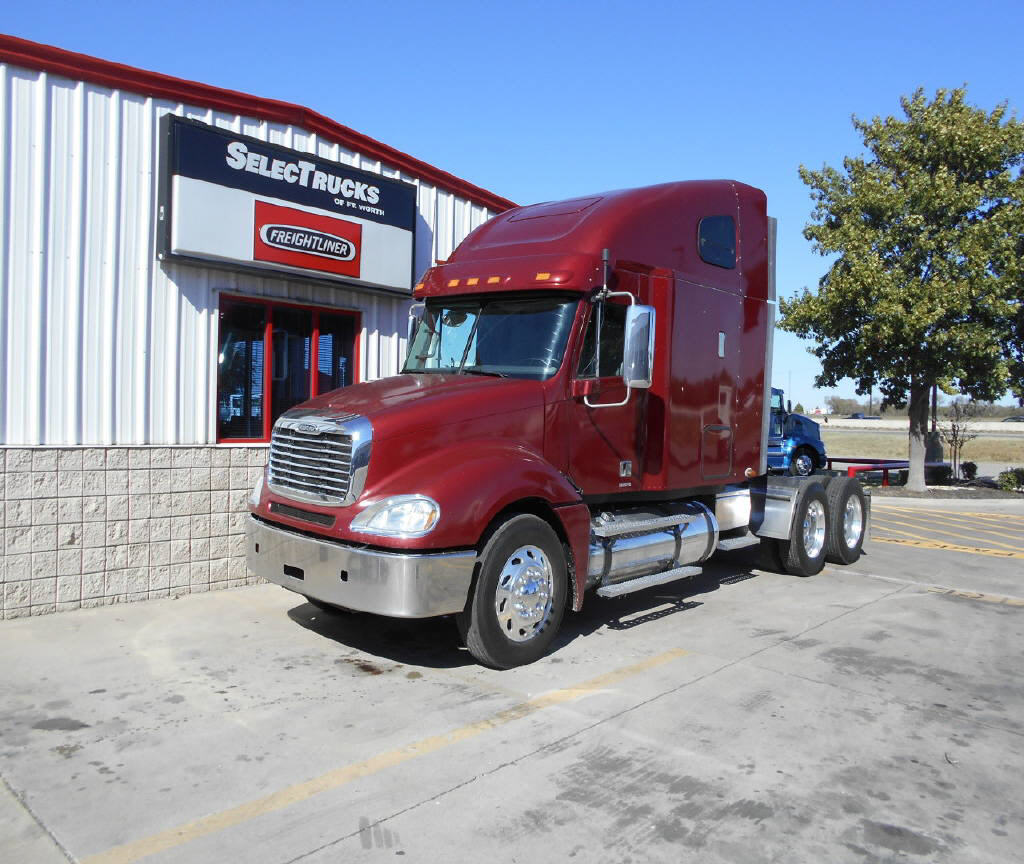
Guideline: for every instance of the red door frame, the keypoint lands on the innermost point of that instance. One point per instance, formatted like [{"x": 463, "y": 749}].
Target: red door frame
[{"x": 268, "y": 305}]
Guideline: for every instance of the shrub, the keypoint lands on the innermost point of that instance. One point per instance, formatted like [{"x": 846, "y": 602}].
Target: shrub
[
  {"x": 938, "y": 475},
  {"x": 969, "y": 470},
  {"x": 1011, "y": 480}
]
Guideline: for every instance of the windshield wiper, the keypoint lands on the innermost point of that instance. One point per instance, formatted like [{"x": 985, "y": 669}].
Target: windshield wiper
[{"x": 469, "y": 370}]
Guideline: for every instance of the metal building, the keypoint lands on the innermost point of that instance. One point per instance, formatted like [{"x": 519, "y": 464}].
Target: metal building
[{"x": 178, "y": 265}]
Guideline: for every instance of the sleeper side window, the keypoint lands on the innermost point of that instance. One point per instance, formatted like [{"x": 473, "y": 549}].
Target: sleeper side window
[{"x": 716, "y": 240}]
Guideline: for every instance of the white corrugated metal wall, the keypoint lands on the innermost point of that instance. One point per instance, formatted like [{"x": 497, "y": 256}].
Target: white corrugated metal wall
[{"x": 99, "y": 342}]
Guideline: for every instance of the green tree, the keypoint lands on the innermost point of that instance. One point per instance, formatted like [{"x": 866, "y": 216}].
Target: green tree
[
  {"x": 799, "y": 408},
  {"x": 839, "y": 405},
  {"x": 925, "y": 285}
]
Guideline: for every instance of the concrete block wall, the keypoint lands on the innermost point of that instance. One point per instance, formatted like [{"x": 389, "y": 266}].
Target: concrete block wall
[{"x": 89, "y": 526}]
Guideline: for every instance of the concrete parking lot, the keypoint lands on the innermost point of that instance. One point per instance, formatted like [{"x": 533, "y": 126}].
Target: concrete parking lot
[{"x": 870, "y": 713}]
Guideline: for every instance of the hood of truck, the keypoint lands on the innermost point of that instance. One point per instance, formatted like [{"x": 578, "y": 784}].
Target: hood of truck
[{"x": 408, "y": 403}]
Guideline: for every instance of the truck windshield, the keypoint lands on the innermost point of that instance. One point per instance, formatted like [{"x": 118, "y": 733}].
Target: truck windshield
[{"x": 521, "y": 338}]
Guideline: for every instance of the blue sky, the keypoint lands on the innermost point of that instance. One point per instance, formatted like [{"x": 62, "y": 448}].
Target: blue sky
[{"x": 546, "y": 100}]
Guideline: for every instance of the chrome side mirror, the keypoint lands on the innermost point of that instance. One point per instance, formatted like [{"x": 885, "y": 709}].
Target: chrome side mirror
[
  {"x": 415, "y": 318},
  {"x": 638, "y": 348}
]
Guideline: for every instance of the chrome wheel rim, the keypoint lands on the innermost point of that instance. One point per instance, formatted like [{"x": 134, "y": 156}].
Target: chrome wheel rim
[
  {"x": 853, "y": 521},
  {"x": 804, "y": 464},
  {"x": 814, "y": 529},
  {"x": 523, "y": 600}
]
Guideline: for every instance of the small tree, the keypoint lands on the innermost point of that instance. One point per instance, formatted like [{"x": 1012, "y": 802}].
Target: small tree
[
  {"x": 956, "y": 431},
  {"x": 799, "y": 408},
  {"x": 925, "y": 285}
]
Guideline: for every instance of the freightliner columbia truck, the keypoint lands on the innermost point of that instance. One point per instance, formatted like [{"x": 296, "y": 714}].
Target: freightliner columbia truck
[{"x": 584, "y": 409}]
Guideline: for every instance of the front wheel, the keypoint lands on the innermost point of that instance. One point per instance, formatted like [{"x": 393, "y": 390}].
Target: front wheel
[
  {"x": 519, "y": 596},
  {"x": 802, "y": 464}
]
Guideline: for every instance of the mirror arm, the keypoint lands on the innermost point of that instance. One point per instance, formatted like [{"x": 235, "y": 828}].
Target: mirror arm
[
  {"x": 589, "y": 404},
  {"x": 586, "y": 399}
]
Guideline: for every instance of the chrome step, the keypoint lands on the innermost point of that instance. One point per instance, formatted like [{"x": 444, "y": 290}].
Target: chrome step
[
  {"x": 619, "y": 527},
  {"x": 631, "y": 585},
  {"x": 729, "y": 543}
]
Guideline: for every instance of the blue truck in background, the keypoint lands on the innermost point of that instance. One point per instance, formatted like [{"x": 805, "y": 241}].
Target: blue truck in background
[{"x": 794, "y": 441}]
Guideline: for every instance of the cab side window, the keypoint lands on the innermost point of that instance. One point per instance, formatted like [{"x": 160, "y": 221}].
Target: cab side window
[
  {"x": 716, "y": 241},
  {"x": 613, "y": 337}
]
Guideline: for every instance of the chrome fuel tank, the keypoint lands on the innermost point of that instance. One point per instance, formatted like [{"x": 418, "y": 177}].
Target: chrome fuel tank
[{"x": 628, "y": 544}]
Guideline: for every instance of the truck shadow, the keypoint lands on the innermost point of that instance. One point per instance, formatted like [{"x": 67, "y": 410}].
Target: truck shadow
[
  {"x": 435, "y": 642},
  {"x": 662, "y": 601}
]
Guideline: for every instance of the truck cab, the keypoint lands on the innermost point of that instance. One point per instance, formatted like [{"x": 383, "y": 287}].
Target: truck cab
[
  {"x": 794, "y": 441},
  {"x": 583, "y": 409}
]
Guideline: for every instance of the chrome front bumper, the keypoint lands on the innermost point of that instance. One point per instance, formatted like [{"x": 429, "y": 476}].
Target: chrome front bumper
[{"x": 387, "y": 583}]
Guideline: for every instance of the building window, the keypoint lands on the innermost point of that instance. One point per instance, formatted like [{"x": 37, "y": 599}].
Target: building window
[
  {"x": 717, "y": 241},
  {"x": 278, "y": 354}
]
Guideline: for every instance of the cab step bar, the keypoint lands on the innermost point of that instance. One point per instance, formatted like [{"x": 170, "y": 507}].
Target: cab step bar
[
  {"x": 617, "y": 589},
  {"x": 727, "y": 544}
]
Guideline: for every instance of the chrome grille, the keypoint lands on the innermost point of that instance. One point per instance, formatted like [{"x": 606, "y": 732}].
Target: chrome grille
[{"x": 311, "y": 462}]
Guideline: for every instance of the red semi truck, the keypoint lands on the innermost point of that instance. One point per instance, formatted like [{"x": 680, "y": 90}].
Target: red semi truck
[{"x": 584, "y": 407}]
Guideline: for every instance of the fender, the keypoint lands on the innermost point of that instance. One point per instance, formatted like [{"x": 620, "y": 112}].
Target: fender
[{"x": 472, "y": 482}]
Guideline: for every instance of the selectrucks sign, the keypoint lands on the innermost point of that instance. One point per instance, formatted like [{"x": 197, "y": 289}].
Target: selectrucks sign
[{"x": 238, "y": 200}]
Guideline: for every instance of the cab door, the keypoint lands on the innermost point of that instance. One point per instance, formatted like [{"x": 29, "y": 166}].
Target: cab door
[{"x": 606, "y": 442}]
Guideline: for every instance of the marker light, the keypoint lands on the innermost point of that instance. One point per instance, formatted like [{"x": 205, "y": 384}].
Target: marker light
[
  {"x": 493, "y": 280},
  {"x": 559, "y": 277},
  {"x": 472, "y": 280},
  {"x": 453, "y": 283}
]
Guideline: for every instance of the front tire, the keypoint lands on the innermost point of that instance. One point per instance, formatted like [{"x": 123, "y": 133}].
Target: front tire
[
  {"x": 519, "y": 596},
  {"x": 804, "y": 552},
  {"x": 802, "y": 463}
]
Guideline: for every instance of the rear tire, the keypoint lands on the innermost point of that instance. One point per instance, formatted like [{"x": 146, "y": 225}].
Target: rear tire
[
  {"x": 771, "y": 556},
  {"x": 804, "y": 552},
  {"x": 847, "y": 520},
  {"x": 519, "y": 596}
]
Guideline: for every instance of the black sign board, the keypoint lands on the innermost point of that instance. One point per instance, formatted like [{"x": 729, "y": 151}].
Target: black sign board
[{"x": 239, "y": 162}]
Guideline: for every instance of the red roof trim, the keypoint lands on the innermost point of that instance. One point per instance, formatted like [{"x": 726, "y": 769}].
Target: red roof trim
[{"x": 82, "y": 67}]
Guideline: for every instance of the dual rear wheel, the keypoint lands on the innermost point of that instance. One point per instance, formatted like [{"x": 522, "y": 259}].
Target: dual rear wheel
[{"x": 828, "y": 525}]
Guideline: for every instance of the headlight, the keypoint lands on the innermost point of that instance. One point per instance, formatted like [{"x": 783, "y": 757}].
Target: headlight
[
  {"x": 254, "y": 498},
  {"x": 400, "y": 516}
]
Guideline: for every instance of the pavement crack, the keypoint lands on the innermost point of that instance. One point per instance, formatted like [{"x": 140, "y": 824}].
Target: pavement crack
[{"x": 35, "y": 818}]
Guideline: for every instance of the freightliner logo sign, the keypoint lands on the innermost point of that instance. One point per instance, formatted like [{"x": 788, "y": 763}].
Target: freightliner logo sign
[
  {"x": 284, "y": 235},
  {"x": 296, "y": 239},
  {"x": 225, "y": 199}
]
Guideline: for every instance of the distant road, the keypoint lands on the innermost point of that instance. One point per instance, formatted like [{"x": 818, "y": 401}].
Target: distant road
[
  {"x": 878, "y": 429},
  {"x": 899, "y": 427}
]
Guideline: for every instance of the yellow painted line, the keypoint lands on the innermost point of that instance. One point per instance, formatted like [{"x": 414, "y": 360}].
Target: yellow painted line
[
  {"x": 948, "y": 547},
  {"x": 946, "y": 531},
  {"x": 878, "y": 527},
  {"x": 1000, "y": 599},
  {"x": 998, "y": 518},
  {"x": 290, "y": 795},
  {"x": 975, "y": 521}
]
